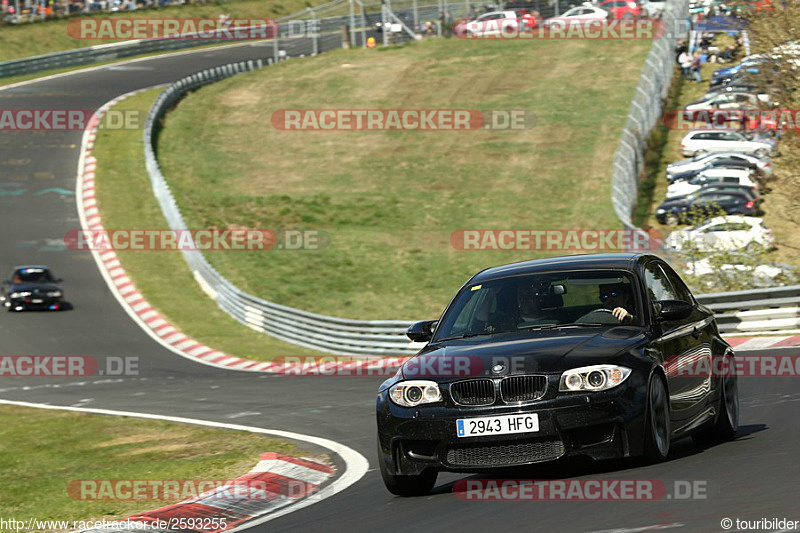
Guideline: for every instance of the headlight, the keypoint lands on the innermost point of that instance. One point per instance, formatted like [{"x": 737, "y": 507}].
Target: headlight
[
  {"x": 415, "y": 392},
  {"x": 19, "y": 294},
  {"x": 660, "y": 211},
  {"x": 54, "y": 294},
  {"x": 593, "y": 378}
]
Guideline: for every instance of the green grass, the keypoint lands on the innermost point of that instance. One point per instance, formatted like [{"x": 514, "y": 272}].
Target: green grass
[
  {"x": 42, "y": 451},
  {"x": 26, "y": 40},
  {"x": 125, "y": 200},
  {"x": 390, "y": 200}
]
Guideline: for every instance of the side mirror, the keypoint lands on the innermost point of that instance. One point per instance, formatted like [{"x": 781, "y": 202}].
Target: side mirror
[
  {"x": 558, "y": 290},
  {"x": 422, "y": 331},
  {"x": 673, "y": 309}
]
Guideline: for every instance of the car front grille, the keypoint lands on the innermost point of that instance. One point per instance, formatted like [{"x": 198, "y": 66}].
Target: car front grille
[
  {"x": 505, "y": 454},
  {"x": 523, "y": 388},
  {"x": 473, "y": 392}
]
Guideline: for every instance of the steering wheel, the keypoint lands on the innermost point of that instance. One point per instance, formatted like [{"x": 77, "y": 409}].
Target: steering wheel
[{"x": 599, "y": 315}]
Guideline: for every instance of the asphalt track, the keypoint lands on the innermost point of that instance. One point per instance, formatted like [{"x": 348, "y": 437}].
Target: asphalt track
[{"x": 755, "y": 476}]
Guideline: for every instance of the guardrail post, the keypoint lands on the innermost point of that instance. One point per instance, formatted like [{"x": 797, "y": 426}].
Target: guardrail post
[{"x": 314, "y": 26}]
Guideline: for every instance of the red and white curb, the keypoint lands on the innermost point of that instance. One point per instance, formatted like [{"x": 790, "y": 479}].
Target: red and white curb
[
  {"x": 123, "y": 288},
  {"x": 276, "y": 482},
  {"x": 761, "y": 343}
]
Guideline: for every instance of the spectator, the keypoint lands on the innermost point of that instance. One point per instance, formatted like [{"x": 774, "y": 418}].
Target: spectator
[
  {"x": 679, "y": 49},
  {"x": 685, "y": 61},
  {"x": 695, "y": 66}
]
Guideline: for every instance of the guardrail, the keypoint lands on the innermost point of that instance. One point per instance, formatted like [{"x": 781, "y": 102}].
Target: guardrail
[
  {"x": 761, "y": 310},
  {"x": 289, "y": 27},
  {"x": 325, "y": 333}
]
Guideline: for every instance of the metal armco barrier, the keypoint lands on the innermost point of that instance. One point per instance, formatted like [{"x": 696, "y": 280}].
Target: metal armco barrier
[
  {"x": 761, "y": 310},
  {"x": 324, "y": 333},
  {"x": 290, "y": 27}
]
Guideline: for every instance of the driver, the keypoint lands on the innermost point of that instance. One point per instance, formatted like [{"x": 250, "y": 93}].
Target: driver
[{"x": 617, "y": 298}]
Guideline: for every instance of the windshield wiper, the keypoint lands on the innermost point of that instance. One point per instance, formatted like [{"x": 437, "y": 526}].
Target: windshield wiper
[
  {"x": 468, "y": 335},
  {"x": 568, "y": 325}
]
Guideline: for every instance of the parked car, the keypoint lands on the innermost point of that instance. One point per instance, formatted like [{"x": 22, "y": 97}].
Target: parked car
[
  {"x": 32, "y": 287},
  {"x": 723, "y": 102},
  {"x": 622, "y": 9},
  {"x": 718, "y": 165},
  {"x": 701, "y": 142},
  {"x": 493, "y": 23},
  {"x": 576, "y": 381},
  {"x": 578, "y": 15},
  {"x": 654, "y": 8},
  {"x": 716, "y": 176},
  {"x": 704, "y": 204},
  {"x": 740, "y": 85},
  {"x": 728, "y": 233},
  {"x": 719, "y": 159},
  {"x": 726, "y": 74}
]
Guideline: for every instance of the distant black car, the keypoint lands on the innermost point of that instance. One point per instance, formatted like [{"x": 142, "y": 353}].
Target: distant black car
[
  {"x": 33, "y": 287},
  {"x": 706, "y": 203},
  {"x": 548, "y": 370}
]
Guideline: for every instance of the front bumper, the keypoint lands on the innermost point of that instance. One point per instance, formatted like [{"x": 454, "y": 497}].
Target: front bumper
[
  {"x": 601, "y": 425},
  {"x": 34, "y": 303}
]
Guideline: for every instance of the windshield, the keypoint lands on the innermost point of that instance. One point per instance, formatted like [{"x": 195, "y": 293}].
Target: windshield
[
  {"x": 31, "y": 275},
  {"x": 540, "y": 301}
]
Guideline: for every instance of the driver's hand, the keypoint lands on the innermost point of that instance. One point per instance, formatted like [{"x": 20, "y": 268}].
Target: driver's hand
[{"x": 620, "y": 313}]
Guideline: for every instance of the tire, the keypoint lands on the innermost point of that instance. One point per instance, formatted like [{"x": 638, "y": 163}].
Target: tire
[
  {"x": 762, "y": 153},
  {"x": 700, "y": 153},
  {"x": 418, "y": 485},
  {"x": 672, "y": 219},
  {"x": 727, "y": 423},
  {"x": 657, "y": 426}
]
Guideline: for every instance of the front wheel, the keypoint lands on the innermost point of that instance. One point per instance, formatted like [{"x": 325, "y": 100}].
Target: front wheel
[
  {"x": 418, "y": 485},
  {"x": 762, "y": 153},
  {"x": 657, "y": 427}
]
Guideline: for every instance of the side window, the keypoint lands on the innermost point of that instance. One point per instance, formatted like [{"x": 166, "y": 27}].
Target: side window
[
  {"x": 681, "y": 291},
  {"x": 658, "y": 285}
]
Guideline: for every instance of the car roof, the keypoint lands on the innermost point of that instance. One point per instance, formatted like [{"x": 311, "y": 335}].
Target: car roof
[
  {"x": 753, "y": 221},
  {"x": 606, "y": 261},
  {"x": 31, "y": 266}
]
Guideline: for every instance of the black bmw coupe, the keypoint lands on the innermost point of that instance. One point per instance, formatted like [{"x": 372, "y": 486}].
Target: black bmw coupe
[
  {"x": 33, "y": 287},
  {"x": 539, "y": 360}
]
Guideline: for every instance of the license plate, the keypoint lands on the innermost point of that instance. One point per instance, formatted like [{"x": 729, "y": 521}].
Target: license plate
[
  {"x": 36, "y": 301},
  {"x": 497, "y": 425}
]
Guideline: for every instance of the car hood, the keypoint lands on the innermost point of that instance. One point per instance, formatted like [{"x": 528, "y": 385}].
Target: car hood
[
  {"x": 31, "y": 287},
  {"x": 551, "y": 351}
]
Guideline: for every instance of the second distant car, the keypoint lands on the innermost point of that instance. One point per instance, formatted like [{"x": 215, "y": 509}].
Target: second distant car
[{"x": 33, "y": 287}]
